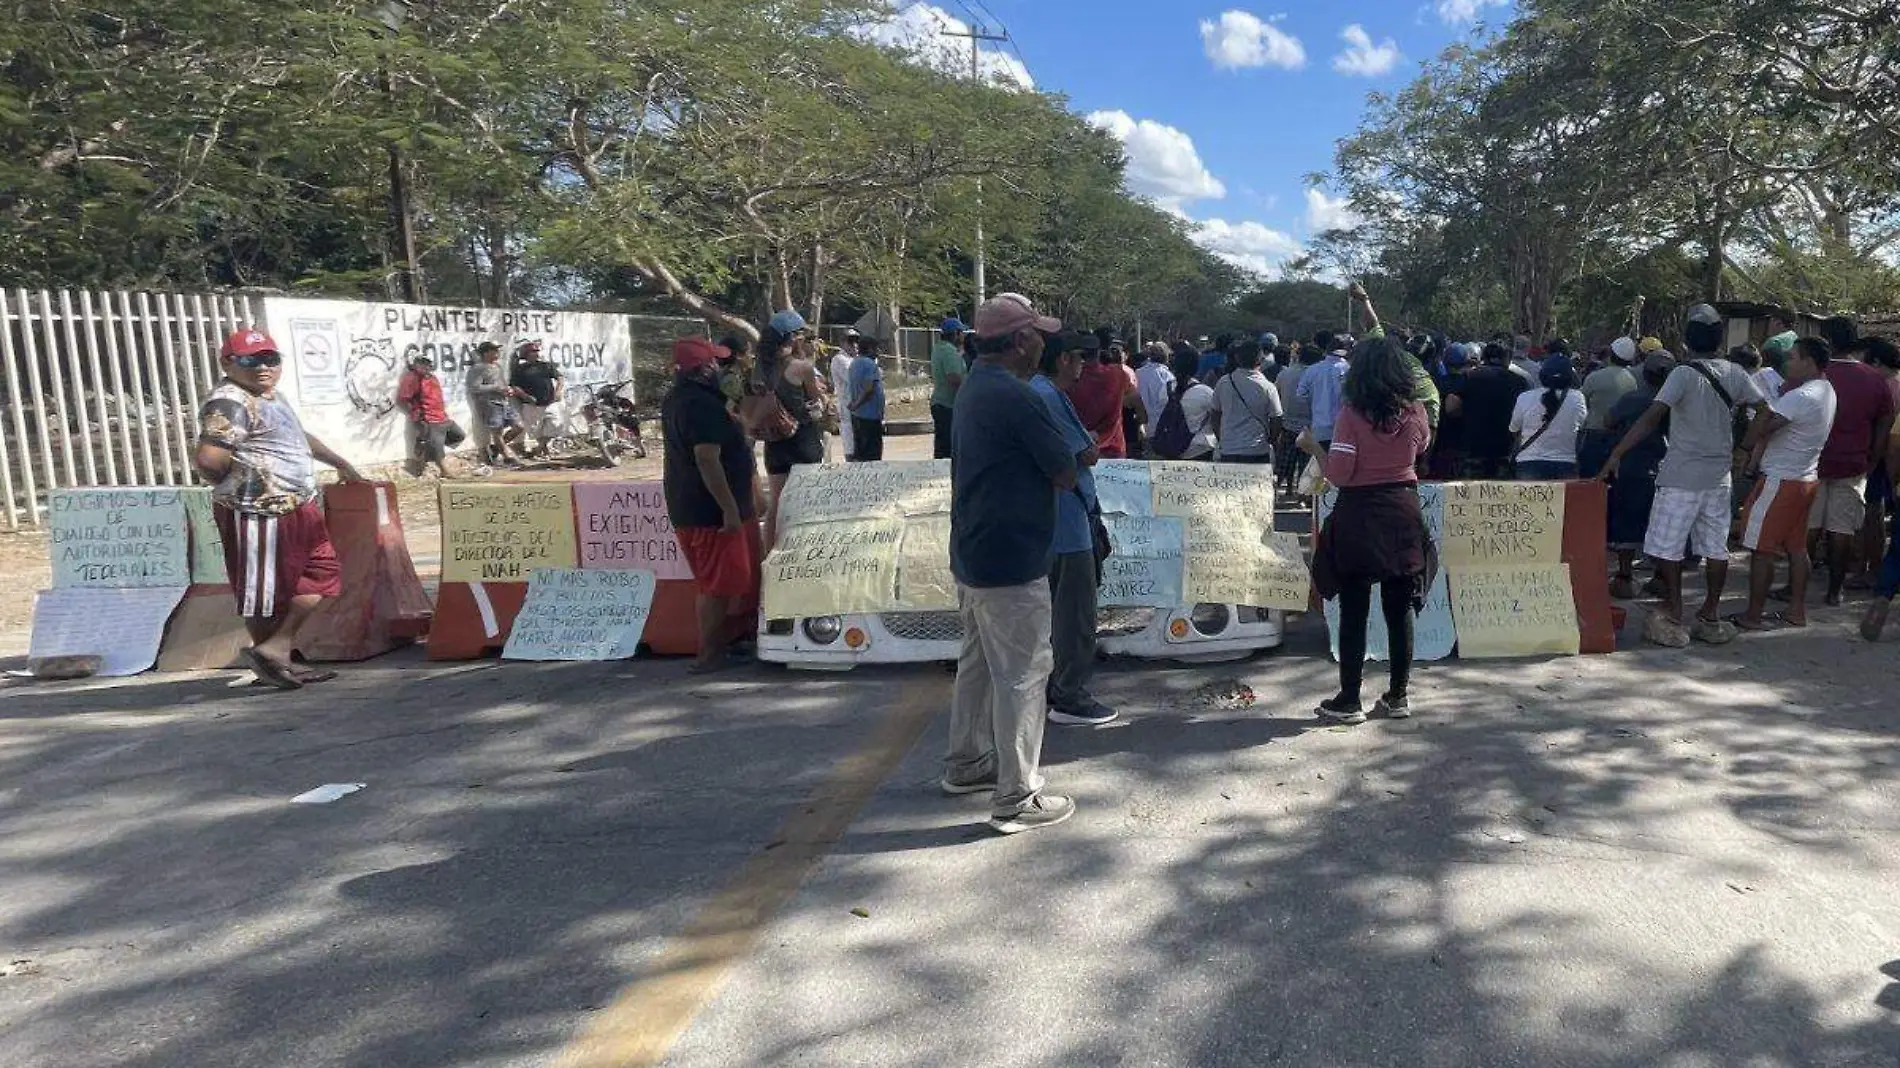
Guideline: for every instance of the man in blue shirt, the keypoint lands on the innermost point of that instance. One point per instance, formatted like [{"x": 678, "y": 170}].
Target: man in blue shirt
[
  {"x": 1072, "y": 577},
  {"x": 865, "y": 400},
  {"x": 1008, "y": 466},
  {"x": 1324, "y": 387}
]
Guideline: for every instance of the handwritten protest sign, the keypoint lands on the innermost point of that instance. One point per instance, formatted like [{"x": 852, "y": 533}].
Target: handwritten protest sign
[
  {"x": 124, "y": 626},
  {"x": 1493, "y": 523},
  {"x": 623, "y": 525},
  {"x": 1146, "y": 568},
  {"x": 1514, "y": 611},
  {"x": 1203, "y": 489},
  {"x": 578, "y": 614},
  {"x": 1434, "y": 634},
  {"x": 924, "y": 581},
  {"x": 887, "y": 490},
  {"x": 833, "y": 568},
  {"x": 119, "y": 537},
  {"x": 1124, "y": 488},
  {"x": 1234, "y": 562},
  {"x": 502, "y": 533},
  {"x": 207, "y": 545}
]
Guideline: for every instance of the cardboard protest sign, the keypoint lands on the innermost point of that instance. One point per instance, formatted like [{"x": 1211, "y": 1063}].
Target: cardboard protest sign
[
  {"x": 1230, "y": 561},
  {"x": 1204, "y": 489},
  {"x": 207, "y": 545},
  {"x": 580, "y": 614},
  {"x": 886, "y": 490},
  {"x": 1514, "y": 611},
  {"x": 120, "y": 537},
  {"x": 1497, "y": 523},
  {"x": 1148, "y": 564},
  {"x": 502, "y": 533},
  {"x": 624, "y": 526},
  {"x": 122, "y": 625},
  {"x": 1124, "y": 488},
  {"x": 924, "y": 581},
  {"x": 834, "y": 568}
]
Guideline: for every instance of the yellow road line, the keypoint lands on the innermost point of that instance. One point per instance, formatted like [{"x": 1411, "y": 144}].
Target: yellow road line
[{"x": 639, "y": 1028}]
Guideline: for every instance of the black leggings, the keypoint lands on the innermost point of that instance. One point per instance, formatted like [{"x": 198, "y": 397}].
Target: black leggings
[{"x": 1355, "y": 611}]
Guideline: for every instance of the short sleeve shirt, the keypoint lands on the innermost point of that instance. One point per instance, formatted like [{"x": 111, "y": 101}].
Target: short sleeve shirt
[
  {"x": 945, "y": 360},
  {"x": 695, "y": 414},
  {"x": 537, "y": 379},
  {"x": 1601, "y": 390},
  {"x": 272, "y": 471},
  {"x": 1794, "y": 453},
  {"x": 1247, "y": 404},
  {"x": 1863, "y": 400},
  {"x": 1073, "y": 532},
  {"x": 866, "y": 374},
  {"x": 1557, "y": 444},
  {"x": 1701, "y": 425},
  {"x": 1005, "y": 454}
]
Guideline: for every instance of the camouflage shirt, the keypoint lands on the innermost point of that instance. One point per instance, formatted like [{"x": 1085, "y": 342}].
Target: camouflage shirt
[{"x": 272, "y": 471}]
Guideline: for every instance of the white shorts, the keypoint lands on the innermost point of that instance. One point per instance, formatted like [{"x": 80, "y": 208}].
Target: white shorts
[{"x": 1696, "y": 518}]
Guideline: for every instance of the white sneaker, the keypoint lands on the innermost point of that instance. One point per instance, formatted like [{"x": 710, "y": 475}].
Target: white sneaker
[{"x": 1043, "y": 810}]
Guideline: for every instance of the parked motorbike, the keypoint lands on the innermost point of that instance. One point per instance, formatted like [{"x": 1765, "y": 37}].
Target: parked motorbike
[{"x": 614, "y": 424}]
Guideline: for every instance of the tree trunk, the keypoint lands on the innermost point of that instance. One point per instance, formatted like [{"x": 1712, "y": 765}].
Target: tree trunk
[
  {"x": 815, "y": 284},
  {"x": 1712, "y": 258}
]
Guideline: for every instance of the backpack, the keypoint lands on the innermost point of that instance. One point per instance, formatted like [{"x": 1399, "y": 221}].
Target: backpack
[{"x": 1172, "y": 438}]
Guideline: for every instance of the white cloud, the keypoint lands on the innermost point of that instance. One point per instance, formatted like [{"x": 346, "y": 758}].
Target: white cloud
[
  {"x": 1464, "y": 12},
  {"x": 919, "y": 30},
  {"x": 1362, "y": 57},
  {"x": 1325, "y": 213},
  {"x": 1163, "y": 164},
  {"x": 1247, "y": 245},
  {"x": 1242, "y": 39}
]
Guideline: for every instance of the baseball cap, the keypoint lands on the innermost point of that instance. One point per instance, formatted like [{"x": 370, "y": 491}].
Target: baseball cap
[
  {"x": 1780, "y": 343},
  {"x": 1649, "y": 344},
  {"x": 1269, "y": 340},
  {"x": 851, "y": 332},
  {"x": 246, "y": 343},
  {"x": 487, "y": 346},
  {"x": 1705, "y": 314},
  {"x": 1088, "y": 343},
  {"x": 1658, "y": 363},
  {"x": 1006, "y": 313},
  {"x": 692, "y": 353},
  {"x": 1456, "y": 356},
  {"x": 1703, "y": 329},
  {"x": 952, "y": 325},
  {"x": 788, "y": 322},
  {"x": 1624, "y": 349}
]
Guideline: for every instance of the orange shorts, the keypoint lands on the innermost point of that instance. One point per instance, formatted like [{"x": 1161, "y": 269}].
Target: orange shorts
[
  {"x": 724, "y": 565},
  {"x": 1775, "y": 516}
]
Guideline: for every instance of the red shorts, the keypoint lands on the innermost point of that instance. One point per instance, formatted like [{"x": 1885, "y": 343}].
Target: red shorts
[
  {"x": 272, "y": 558},
  {"x": 724, "y": 565},
  {"x": 1775, "y": 516}
]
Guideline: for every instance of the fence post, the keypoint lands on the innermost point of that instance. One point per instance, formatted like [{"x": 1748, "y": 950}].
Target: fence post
[
  {"x": 178, "y": 395},
  {"x": 137, "y": 394},
  {"x": 19, "y": 429},
  {"x": 56, "y": 364},
  {"x": 79, "y": 393},
  {"x": 37, "y": 385},
  {"x": 152, "y": 375}
]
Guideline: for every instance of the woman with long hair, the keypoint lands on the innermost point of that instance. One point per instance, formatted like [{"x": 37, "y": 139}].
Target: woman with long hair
[
  {"x": 1547, "y": 422},
  {"x": 1197, "y": 403},
  {"x": 785, "y": 370},
  {"x": 1376, "y": 534}
]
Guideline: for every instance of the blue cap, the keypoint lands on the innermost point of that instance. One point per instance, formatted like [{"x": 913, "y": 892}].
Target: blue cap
[
  {"x": 1456, "y": 355},
  {"x": 1269, "y": 340},
  {"x": 788, "y": 322},
  {"x": 952, "y": 325},
  {"x": 1557, "y": 373}
]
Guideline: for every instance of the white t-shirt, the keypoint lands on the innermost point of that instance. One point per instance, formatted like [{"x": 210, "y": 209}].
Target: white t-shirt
[
  {"x": 1559, "y": 443},
  {"x": 1156, "y": 384},
  {"x": 1769, "y": 380},
  {"x": 1794, "y": 452},
  {"x": 1197, "y": 404},
  {"x": 1247, "y": 403}
]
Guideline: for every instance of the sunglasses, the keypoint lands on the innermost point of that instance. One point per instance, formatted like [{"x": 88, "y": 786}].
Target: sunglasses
[{"x": 261, "y": 359}]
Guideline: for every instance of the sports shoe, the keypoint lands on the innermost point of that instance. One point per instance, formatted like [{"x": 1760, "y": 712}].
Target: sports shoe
[
  {"x": 1338, "y": 711},
  {"x": 1092, "y": 714},
  {"x": 1713, "y": 631},
  {"x": 1043, "y": 810},
  {"x": 1393, "y": 707},
  {"x": 1659, "y": 629},
  {"x": 959, "y": 787}
]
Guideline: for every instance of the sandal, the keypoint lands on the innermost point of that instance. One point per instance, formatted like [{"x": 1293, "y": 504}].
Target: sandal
[
  {"x": 1768, "y": 622},
  {"x": 271, "y": 672}
]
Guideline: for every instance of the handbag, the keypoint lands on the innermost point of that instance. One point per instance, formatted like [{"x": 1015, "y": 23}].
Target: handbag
[
  {"x": 454, "y": 435},
  {"x": 764, "y": 418},
  {"x": 1098, "y": 531}
]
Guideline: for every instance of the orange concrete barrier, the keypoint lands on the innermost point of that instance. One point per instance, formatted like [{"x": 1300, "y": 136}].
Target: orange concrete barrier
[
  {"x": 1586, "y": 550},
  {"x": 383, "y": 604},
  {"x": 472, "y": 619}
]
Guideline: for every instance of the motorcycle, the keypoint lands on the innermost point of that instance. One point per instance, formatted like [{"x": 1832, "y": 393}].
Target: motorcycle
[{"x": 614, "y": 424}]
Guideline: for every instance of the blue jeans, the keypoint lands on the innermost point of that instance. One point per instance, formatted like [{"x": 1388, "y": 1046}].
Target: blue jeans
[
  {"x": 1888, "y": 583},
  {"x": 1545, "y": 471}
]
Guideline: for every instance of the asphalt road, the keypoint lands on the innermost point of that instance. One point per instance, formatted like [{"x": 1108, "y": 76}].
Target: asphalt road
[{"x": 1647, "y": 859}]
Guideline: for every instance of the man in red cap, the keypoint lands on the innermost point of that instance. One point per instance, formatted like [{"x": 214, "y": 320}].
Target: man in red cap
[
  {"x": 277, "y": 550},
  {"x": 712, "y": 498},
  {"x": 1008, "y": 464}
]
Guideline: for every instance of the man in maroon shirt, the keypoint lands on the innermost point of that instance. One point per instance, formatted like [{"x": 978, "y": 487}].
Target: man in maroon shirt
[
  {"x": 419, "y": 395},
  {"x": 1097, "y": 397},
  {"x": 1862, "y": 423}
]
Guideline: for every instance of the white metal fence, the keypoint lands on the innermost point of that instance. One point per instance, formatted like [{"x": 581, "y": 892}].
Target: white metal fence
[{"x": 102, "y": 389}]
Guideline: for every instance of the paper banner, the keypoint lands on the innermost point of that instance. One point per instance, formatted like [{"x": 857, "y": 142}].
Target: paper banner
[
  {"x": 924, "y": 581},
  {"x": 502, "y": 533},
  {"x": 122, "y": 625},
  {"x": 1503, "y": 523},
  {"x": 1232, "y": 561},
  {"x": 207, "y": 545},
  {"x": 1433, "y": 633},
  {"x": 1514, "y": 611},
  {"x": 119, "y": 537},
  {"x": 1203, "y": 489},
  {"x": 576, "y": 614},
  {"x": 623, "y": 525},
  {"x": 1124, "y": 488},
  {"x": 829, "y": 569},
  {"x": 1147, "y": 565},
  {"x": 885, "y": 490}
]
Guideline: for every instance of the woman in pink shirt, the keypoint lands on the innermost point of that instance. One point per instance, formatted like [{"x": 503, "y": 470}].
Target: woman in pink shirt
[{"x": 1376, "y": 534}]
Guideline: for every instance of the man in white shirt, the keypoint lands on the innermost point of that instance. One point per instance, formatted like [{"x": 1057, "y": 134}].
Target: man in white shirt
[
  {"x": 1154, "y": 382},
  {"x": 1784, "y": 446},
  {"x": 840, "y": 377},
  {"x": 1245, "y": 408}
]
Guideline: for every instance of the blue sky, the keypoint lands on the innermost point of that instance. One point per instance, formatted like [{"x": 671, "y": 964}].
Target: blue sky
[{"x": 1223, "y": 109}]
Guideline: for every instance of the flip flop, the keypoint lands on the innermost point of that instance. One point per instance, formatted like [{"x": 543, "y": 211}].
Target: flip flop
[
  {"x": 271, "y": 672},
  {"x": 1785, "y": 620},
  {"x": 1768, "y": 622},
  {"x": 308, "y": 675}
]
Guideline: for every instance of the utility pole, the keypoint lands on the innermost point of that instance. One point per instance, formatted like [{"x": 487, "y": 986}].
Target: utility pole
[{"x": 977, "y": 35}]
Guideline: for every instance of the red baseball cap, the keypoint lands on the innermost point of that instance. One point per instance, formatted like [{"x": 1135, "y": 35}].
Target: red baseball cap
[
  {"x": 692, "y": 353},
  {"x": 246, "y": 343}
]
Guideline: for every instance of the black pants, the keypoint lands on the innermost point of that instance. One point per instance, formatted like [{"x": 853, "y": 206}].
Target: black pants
[
  {"x": 867, "y": 439},
  {"x": 940, "y": 427},
  {"x": 1072, "y": 629},
  {"x": 1355, "y": 612}
]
